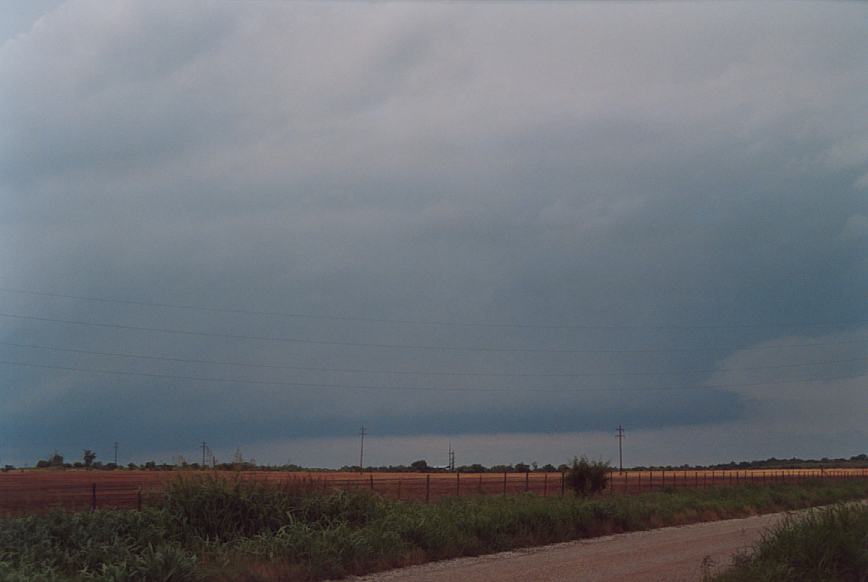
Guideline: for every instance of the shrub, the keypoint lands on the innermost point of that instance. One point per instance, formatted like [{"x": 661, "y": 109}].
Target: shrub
[
  {"x": 827, "y": 544},
  {"x": 585, "y": 477}
]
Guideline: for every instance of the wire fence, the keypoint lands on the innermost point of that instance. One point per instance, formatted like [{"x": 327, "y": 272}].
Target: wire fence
[{"x": 26, "y": 492}]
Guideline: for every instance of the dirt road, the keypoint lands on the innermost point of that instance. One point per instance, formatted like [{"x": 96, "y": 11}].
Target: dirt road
[{"x": 670, "y": 554}]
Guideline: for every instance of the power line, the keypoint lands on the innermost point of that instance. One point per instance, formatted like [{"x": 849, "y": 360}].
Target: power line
[
  {"x": 689, "y": 387},
  {"x": 423, "y": 346},
  {"x": 427, "y": 373},
  {"x": 399, "y": 321}
]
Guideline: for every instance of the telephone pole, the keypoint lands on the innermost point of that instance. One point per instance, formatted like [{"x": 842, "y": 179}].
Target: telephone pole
[
  {"x": 362, "y": 433},
  {"x": 620, "y": 436},
  {"x": 451, "y": 458},
  {"x": 116, "y": 453},
  {"x": 204, "y": 448}
]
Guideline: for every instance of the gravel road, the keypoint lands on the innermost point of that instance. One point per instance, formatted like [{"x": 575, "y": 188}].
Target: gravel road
[{"x": 671, "y": 554}]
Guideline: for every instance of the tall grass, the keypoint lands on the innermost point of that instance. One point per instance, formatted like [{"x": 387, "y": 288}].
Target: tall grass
[
  {"x": 247, "y": 530},
  {"x": 824, "y": 545}
]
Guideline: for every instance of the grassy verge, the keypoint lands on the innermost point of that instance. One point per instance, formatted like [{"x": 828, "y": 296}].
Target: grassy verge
[
  {"x": 828, "y": 544},
  {"x": 218, "y": 530}
]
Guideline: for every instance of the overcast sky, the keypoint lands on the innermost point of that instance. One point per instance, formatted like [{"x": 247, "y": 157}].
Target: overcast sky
[{"x": 508, "y": 226}]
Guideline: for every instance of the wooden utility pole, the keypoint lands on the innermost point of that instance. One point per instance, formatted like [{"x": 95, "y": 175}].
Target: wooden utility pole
[
  {"x": 620, "y": 436},
  {"x": 362, "y": 433}
]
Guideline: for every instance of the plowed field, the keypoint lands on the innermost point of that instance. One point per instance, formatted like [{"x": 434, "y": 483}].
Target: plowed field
[{"x": 36, "y": 491}]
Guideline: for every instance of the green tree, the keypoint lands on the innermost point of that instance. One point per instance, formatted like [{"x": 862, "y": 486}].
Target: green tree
[{"x": 585, "y": 477}]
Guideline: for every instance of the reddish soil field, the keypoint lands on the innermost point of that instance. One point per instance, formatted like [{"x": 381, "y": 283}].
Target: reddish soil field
[{"x": 37, "y": 491}]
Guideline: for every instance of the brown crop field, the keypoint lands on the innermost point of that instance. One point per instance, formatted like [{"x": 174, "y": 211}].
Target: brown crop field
[{"x": 36, "y": 491}]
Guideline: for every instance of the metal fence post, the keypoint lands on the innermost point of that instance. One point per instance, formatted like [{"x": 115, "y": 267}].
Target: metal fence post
[
  {"x": 427, "y": 488},
  {"x": 93, "y": 497},
  {"x": 563, "y": 483},
  {"x": 526, "y": 481},
  {"x": 457, "y": 484},
  {"x": 545, "y": 484},
  {"x": 372, "y": 481},
  {"x": 139, "y": 504},
  {"x": 504, "y": 482}
]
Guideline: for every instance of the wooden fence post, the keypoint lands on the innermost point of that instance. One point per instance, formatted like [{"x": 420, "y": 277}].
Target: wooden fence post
[
  {"x": 457, "y": 484},
  {"x": 563, "y": 483},
  {"x": 427, "y": 488},
  {"x": 545, "y": 484},
  {"x": 372, "y": 481},
  {"x": 139, "y": 504},
  {"x": 504, "y": 482},
  {"x": 93, "y": 497},
  {"x": 526, "y": 481}
]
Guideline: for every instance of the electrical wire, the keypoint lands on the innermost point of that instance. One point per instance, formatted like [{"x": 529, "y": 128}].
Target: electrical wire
[
  {"x": 398, "y": 321},
  {"x": 693, "y": 387},
  {"x": 422, "y": 372},
  {"x": 428, "y": 347}
]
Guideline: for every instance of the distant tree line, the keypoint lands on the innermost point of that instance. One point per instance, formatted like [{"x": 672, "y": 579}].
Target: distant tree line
[
  {"x": 422, "y": 466},
  {"x": 88, "y": 461},
  {"x": 856, "y": 461}
]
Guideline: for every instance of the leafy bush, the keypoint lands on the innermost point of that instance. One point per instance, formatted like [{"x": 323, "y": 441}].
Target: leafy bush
[
  {"x": 829, "y": 544},
  {"x": 585, "y": 477},
  {"x": 218, "y": 509},
  {"x": 103, "y": 545}
]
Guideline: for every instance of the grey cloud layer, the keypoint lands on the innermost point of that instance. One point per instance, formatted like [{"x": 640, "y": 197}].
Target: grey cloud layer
[{"x": 656, "y": 164}]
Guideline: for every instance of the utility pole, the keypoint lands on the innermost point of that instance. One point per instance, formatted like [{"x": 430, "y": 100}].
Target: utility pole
[
  {"x": 451, "y": 457},
  {"x": 362, "y": 433},
  {"x": 620, "y": 436},
  {"x": 204, "y": 448},
  {"x": 116, "y": 453}
]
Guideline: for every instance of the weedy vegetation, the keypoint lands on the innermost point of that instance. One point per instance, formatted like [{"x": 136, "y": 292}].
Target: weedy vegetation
[
  {"x": 824, "y": 545},
  {"x": 210, "y": 528}
]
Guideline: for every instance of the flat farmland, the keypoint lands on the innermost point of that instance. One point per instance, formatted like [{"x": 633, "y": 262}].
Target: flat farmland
[{"x": 36, "y": 491}]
